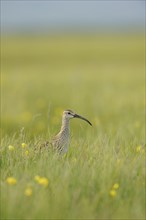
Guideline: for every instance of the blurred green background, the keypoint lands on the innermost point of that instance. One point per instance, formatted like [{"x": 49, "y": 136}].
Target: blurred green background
[{"x": 99, "y": 76}]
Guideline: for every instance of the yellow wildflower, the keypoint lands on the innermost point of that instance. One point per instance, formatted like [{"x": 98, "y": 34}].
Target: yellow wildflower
[
  {"x": 28, "y": 191},
  {"x": 26, "y": 152},
  {"x": 11, "y": 148},
  {"x": 113, "y": 193},
  {"x": 43, "y": 181},
  {"x": 115, "y": 186},
  {"x": 138, "y": 148},
  {"x": 37, "y": 178},
  {"x": 23, "y": 145},
  {"x": 11, "y": 180}
]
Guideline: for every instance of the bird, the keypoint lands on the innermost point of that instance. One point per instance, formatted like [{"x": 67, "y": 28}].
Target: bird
[{"x": 60, "y": 142}]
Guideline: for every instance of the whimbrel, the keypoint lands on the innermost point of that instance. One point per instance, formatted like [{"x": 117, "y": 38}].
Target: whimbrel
[{"x": 61, "y": 141}]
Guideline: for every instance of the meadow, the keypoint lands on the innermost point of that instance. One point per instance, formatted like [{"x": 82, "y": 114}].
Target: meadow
[{"x": 99, "y": 76}]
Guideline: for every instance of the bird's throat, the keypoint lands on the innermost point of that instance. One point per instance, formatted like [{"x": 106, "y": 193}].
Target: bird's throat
[{"x": 65, "y": 125}]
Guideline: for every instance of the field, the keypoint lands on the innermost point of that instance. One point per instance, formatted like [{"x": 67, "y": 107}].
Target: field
[{"x": 103, "y": 174}]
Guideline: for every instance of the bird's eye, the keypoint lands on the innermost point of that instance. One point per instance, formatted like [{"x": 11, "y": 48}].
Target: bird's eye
[{"x": 69, "y": 113}]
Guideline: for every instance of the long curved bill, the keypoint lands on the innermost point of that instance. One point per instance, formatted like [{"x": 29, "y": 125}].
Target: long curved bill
[{"x": 79, "y": 116}]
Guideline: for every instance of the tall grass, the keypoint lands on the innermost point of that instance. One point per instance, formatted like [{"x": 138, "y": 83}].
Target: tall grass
[{"x": 101, "y": 78}]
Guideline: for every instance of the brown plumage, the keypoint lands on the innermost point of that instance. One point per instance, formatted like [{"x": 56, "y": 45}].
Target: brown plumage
[{"x": 61, "y": 141}]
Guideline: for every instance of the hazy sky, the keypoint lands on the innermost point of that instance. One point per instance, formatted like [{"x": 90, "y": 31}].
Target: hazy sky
[{"x": 37, "y": 15}]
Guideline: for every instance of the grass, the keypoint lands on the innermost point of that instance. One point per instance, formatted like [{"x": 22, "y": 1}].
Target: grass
[{"x": 101, "y": 78}]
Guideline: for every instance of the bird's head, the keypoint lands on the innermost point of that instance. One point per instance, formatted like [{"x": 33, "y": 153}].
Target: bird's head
[{"x": 70, "y": 114}]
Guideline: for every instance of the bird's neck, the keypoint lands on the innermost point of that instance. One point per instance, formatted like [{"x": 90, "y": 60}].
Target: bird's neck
[{"x": 65, "y": 124}]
